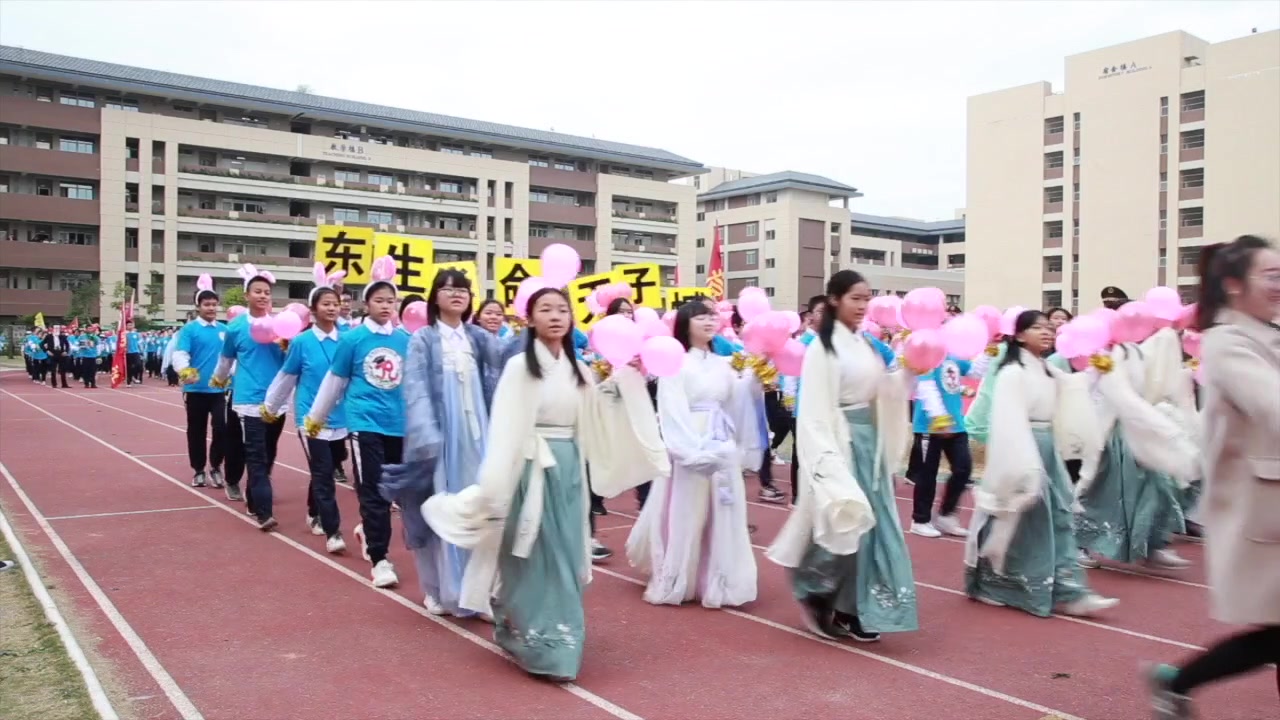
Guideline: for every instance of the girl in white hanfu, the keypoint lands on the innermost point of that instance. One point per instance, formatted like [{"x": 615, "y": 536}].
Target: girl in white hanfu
[
  {"x": 692, "y": 536},
  {"x": 525, "y": 519},
  {"x": 1021, "y": 550},
  {"x": 850, "y": 569}
]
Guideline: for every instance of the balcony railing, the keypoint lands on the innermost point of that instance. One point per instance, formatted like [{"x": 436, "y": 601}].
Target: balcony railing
[
  {"x": 245, "y": 216},
  {"x": 20, "y": 159},
  {"x": 396, "y": 189},
  {"x": 258, "y": 260},
  {"x": 48, "y": 256},
  {"x": 660, "y": 248},
  {"x": 654, "y": 215}
]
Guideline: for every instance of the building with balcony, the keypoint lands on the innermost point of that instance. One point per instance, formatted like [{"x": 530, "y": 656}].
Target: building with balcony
[
  {"x": 123, "y": 174},
  {"x": 1155, "y": 148},
  {"x": 898, "y": 255}
]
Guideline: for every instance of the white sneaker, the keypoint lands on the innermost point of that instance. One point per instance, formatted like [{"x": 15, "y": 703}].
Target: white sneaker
[
  {"x": 364, "y": 546},
  {"x": 1085, "y": 560},
  {"x": 949, "y": 525},
  {"x": 777, "y": 460},
  {"x": 335, "y": 545},
  {"x": 314, "y": 524},
  {"x": 1168, "y": 560},
  {"x": 925, "y": 530},
  {"x": 384, "y": 575},
  {"x": 433, "y": 606},
  {"x": 1088, "y": 605}
]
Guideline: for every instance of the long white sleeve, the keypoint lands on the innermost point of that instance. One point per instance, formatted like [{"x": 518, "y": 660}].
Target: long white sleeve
[
  {"x": 223, "y": 370},
  {"x": 278, "y": 393},
  {"x": 181, "y": 360},
  {"x": 332, "y": 388}
]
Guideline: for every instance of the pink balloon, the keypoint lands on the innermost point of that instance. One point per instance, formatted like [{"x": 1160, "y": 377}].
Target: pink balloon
[
  {"x": 793, "y": 321},
  {"x": 924, "y": 350},
  {"x": 235, "y": 311},
  {"x": 1165, "y": 303},
  {"x": 990, "y": 316},
  {"x": 790, "y": 358},
  {"x": 593, "y": 304},
  {"x": 1080, "y": 363},
  {"x": 1083, "y": 336},
  {"x": 669, "y": 319},
  {"x": 286, "y": 325},
  {"x": 752, "y": 305},
  {"x": 560, "y": 264},
  {"x": 415, "y": 316},
  {"x": 870, "y": 326},
  {"x": 262, "y": 329},
  {"x": 1009, "y": 319},
  {"x": 650, "y": 324},
  {"x": 924, "y": 309},
  {"x": 777, "y": 329},
  {"x": 965, "y": 336},
  {"x": 753, "y": 338},
  {"x": 302, "y": 311},
  {"x": 617, "y": 339},
  {"x": 1186, "y": 317},
  {"x": 1191, "y": 343},
  {"x": 662, "y": 355},
  {"x": 1134, "y": 322},
  {"x": 884, "y": 310},
  {"x": 526, "y": 289}
]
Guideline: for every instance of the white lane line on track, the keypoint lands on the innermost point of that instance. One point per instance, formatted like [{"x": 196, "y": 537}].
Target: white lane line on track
[
  {"x": 574, "y": 689},
  {"x": 97, "y": 694},
  {"x": 156, "y": 455},
  {"x": 153, "y": 667},
  {"x": 1055, "y": 616},
  {"x": 128, "y": 512},
  {"x": 286, "y": 429}
]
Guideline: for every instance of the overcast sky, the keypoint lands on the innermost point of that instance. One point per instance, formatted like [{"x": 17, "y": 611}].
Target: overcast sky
[{"x": 868, "y": 93}]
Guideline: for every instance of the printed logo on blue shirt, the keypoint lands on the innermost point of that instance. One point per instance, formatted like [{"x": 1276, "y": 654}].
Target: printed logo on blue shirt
[
  {"x": 951, "y": 377},
  {"x": 383, "y": 368}
]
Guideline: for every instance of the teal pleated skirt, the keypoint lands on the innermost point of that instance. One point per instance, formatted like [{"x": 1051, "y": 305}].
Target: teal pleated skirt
[
  {"x": 1129, "y": 512},
  {"x": 876, "y": 583},
  {"x": 538, "y": 610},
  {"x": 1040, "y": 570}
]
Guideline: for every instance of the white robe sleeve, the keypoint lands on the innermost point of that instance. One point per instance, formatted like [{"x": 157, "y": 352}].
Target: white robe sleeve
[
  {"x": 619, "y": 434},
  {"x": 1157, "y": 442},
  {"x": 751, "y": 439},
  {"x": 1014, "y": 474},
  {"x": 689, "y": 445}
]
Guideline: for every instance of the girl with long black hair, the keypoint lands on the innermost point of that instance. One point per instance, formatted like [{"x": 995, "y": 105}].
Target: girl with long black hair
[
  {"x": 1021, "y": 551},
  {"x": 1238, "y": 309},
  {"x": 525, "y": 518},
  {"x": 692, "y": 536},
  {"x": 851, "y": 571}
]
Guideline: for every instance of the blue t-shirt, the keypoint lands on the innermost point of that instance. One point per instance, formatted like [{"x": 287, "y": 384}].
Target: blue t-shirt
[
  {"x": 374, "y": 366},
  {"x": 948, "y": 378},
  {"x": 310, "y": 358},
  {"x": 133, "y": 343},
  {"x": 73, "y": 342},
  {"x": 203, "y": 343},
  {"x": 722, "y": 346},
  {"x": 37, "y": 348},
  {"x": 256, "y": 363},
  {"x": 89, "y": 345}
]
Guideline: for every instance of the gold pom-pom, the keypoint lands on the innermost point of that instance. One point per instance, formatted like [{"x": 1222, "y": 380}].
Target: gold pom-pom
[
  {"x": 220, "y": 383},
  {"x": 789, "y": 402},
  {"x": 941, "y": 423},
  {"x": 993, "y": 350},
  {"x": 1192, "y": 364},
  {"x": 765, "y": 372},
  {"x": 738, "y": 362},
  {"x": 1103, "y": 363},
  {"x": 284, "y": 345},
  {"x": 267, "y": 415},
  {"x": 189, "y": 375},
  {"x": 311, "y": 427},
  {"x": 602, "y": 368}
]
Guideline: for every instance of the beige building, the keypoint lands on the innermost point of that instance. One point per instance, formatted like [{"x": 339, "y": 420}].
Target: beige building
[
  {"x": 788, "y": 231},
  {"x": 1154, "y": 149},
  {"x": 112, "y": 173}
]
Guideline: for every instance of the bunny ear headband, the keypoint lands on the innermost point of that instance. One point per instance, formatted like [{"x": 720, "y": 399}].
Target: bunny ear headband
[
  {"x": 204, "y": 284},
  {"x": 249, "y": 273},
  {"x": 323, "y": 281},
  {"x": 384, "y": 268}
]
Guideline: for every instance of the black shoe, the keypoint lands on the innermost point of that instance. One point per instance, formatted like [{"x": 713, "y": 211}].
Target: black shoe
[
  {"x": 234, "y": 494},
  {"x": 597, "y": 508},
  {"x": 268, "y": 524},
  {"x": 850, "y": 626},
  {"x": 198, "y": 480},
  {"x": 818, "y": 618},
  {"x": 215, "y": 478},
  {"x": 339, "y": 475}
]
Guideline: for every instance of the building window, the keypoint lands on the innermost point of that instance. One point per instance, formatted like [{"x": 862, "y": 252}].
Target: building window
[
  {"x": 486, "y": 154},
  {"x": 1164, "y": 107},
  {"x": 1193, "y": 101},
  {"x": 115, "y": 103},
  {"x": 44, "y": 95},
  {"x": 770, "y": 234},
  {"x": 75, "y": 145},
  {"x": 1053, "y": 230},
  {"x": 1164, "y": 182},
  {"x": 702, "y": 216},
  {"x": 1053, "y": 160},
  {"x": 566, "y": 166},
  {"x": 452, "y": 150},
  {"x": 751, "y": 257},
  {"x": 1075, "y": 227},
  {"x": 769, "y": 263},
  {"x": 257, "y": 207},
  {"x": 44, "y": 141},
  {"x": 700, "y": 242},
  {"x": 75, "y": 191},
  {"x": 1053, "y": 264},
  {"x": 84, "y": 100},
  {"x": 1189, "y": 256},
  {"x": 700, "y": 269},
  {"x": 538, "y": 162},
  {"x": 1193, "y": 178},
  {"x": 1053, "y": 195},
  {"x": 1191, "y": 217},
  {"x": 449, "y": 186},
  {"x": 771, "y": 197},
  {"x": 1054, "y": 126},
  {"x": 75, "y": 237},
  {"x": 346, "y": 176},
  {"x": 346, "y": 214},
  {"x": 381, "y": 179},
  {"x": 1052, "y": 298},
  {"x": 751, "y": 282},
  {"x": 1193, "y": 140},
  {"x": 562, "y": 198},
  {"x": 753, "y": 199},
  {"x": 751, "y": 230},
  {"x": 1075, "y": 121},
  {"x": 380, "y": 217},
  {"x": 1164, "y": 144},
  {"x": 768, "y": 292},
  {"x": 538, "y": 231},
  {"x": 1075, "y": 192},
  {"x": 207, "y": 159},
  {"x": 539, "y": 196}
]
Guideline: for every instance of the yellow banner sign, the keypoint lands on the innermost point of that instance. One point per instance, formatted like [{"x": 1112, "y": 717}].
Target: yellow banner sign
[
  {"x": 676, "y": 297},
  {"x": 580, "y": 290},
  {"x": 645, "y": 280},
  {"x": 509, "y": 273},
  {"x": 413, "y": 256},
  {"x": 346, "y": 248}
]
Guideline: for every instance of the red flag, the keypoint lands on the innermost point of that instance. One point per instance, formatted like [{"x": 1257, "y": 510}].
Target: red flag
[
  {"x": 119, "y": 363},
  {"x": 715, "y": 269},
  {"x": 75, "y": 325}
]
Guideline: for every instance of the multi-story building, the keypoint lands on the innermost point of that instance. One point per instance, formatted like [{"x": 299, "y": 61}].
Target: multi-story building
[
  {"x": 120, "y": 174},
  {"x": 1156, "y": 148},
  {"x": 788, "y": 231}
]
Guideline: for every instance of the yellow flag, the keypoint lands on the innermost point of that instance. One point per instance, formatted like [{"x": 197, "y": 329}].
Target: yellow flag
[{"x": 40, "y": 320}]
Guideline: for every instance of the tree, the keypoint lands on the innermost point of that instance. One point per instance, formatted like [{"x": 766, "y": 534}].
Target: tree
[
  {"x": 155, "y": 300},
  {"x": 83, "y": 298},
  {"x": 120, "y": 294},
  {"x": 233, "y": 296}
]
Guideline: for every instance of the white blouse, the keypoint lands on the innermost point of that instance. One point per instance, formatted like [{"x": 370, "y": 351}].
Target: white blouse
[{"x": 861, "y": 369}]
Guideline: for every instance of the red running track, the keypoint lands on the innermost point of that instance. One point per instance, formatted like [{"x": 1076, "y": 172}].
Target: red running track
[{"x": 193, "y": 613}]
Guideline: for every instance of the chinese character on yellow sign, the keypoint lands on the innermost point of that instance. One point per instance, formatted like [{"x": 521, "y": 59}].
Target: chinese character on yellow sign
[
  {"x": 509, "y": 273},
  {"x": 580, "y": 290},
  {"x": 678, "y": 296},
  {"x": 413, "y": 258},
  {"x": 645, "y": 280},
  {"x": 466, "y": 267},
  {"x": 346, "y": 248}
]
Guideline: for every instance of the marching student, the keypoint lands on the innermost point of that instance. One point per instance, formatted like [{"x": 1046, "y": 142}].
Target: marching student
[
  {"x": 58, "y": 348},
  {"x": 310, "y": 355},
  {"x": 195, "y": 360},
  {"x": 132, "y": 340},
  {"x": 256, "y": 365},
  {"x": 366, "y": 375},
  {"x": 89, "y": 342}
]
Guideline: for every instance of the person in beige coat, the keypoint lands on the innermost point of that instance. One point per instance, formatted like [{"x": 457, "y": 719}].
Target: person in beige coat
[{"x": 1239, "y": 303}]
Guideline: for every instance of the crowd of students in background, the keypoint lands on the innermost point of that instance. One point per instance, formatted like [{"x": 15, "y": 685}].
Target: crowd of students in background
[{"x": 83, "y": 353}]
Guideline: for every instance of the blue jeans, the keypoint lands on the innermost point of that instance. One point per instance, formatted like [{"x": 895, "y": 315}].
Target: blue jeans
[
  {"x": 321, "y": 502},
  {"x": 260, "y": 442}
]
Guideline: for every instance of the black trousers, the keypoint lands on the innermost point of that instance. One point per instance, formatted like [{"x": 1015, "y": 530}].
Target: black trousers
[
  {"x": 133, "y": 366},
  {"x": 203, "y": 409},
  {"x": 1236, "y": 655},
  {"x": 58, "y": 369},
  {"x": 795, "y": 470},
  {"x": 916, "y": 459},
  {"x": 956, "y": 448},
  {"x": 233, "y": 449},
  {"x": 321, "y": 499},
  {"x": 89, "y": 371},
  {"x": 372, "y": 451},
  {"x": 172, "y": 376},
  {"x": 261, "y": 440},
  {"x": 1073, "y": 470},
  {"x": 781, "y": 422}
]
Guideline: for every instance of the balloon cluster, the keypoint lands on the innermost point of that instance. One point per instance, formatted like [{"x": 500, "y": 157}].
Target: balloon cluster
[
  {"x": 932, "y": 336},
  {"x": 284, "y": 325},
  {"x": 1088, "y": 336},
  {"x": 560, "y": 265},
  {"x": 768, "y": 333}
]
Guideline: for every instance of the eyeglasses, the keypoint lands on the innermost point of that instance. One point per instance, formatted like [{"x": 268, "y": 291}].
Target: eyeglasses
[{"x": 455, "y": 291}]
